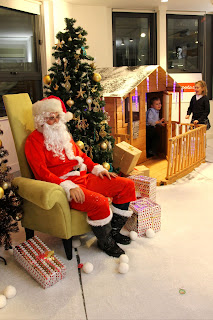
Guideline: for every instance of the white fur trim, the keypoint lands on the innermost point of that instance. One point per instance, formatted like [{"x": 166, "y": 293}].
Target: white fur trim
[
  {"x": 70, "y": 174},
  {"x": 48, "y": 105},
  {"x": 83, "y": 167},
  {"x": 124, "y": 213},
  {"x": 101, "y": 222},
  {"x": 67, "y": 185},
  {"x": 79, "y": 159},
  {"x": 98, "y": 169},
  {"x": 68, "y": 116}
]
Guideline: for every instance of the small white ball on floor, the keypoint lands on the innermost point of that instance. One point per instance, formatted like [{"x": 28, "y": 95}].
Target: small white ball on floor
[
  {"x": 76, "y": 243},
  {"x": 123, "y": 267},
  {"x": 150, "y": 233},
  {"x": 88, "y": 267},
  {"x": 124, "y": 258},
  {"x": 3, "y": 301},
  {"x": 133, "y": 235},
  {"x": 10, "y": 292}
]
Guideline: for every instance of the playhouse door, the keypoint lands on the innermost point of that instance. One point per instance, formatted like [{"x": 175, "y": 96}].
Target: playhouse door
[{"x": 167, "y": 115}]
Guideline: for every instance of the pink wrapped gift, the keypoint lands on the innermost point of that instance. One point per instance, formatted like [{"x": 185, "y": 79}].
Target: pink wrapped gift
[
  {"x": 40, "y": 262},
  {"x": 146, "y": 215},
  {"x": 144, "y": 186}
]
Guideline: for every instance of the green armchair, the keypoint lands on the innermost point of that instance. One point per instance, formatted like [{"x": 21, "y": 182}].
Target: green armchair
[{"x": 46, "y": 208}]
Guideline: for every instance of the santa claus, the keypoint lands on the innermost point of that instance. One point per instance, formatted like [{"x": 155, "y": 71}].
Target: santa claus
[{"x": 54, "y": 157}]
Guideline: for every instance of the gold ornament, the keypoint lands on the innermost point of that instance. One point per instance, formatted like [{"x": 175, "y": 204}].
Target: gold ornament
[
  {"x": 5, "y": 185},
  {"x": 103, "y": 146},
  {"x": 0, "y": 143},
  {"x": 47, "y": 80},
  {"x": 56, "y": 87},
  {"x": 89, "y": 102},
  {"x": 92, "y": 65},
  {"x": 69, "y": 39},
  {"x": 80, "y": 144},
  {"x": 70, "y": 102},
  {"x": 59, "y": 44},
  {"x": 96, "y": 135},
  {"x": 90, "y": 152},
  {"x": 96, "y": 77},
  {"x": 97, "y": 107},
  {"x": 80, "y": 36},
  {"x": 1, "y": 192},
  {"x": 76, "y": 56},
  {"x": 102, "y": 132},
  {"x": 106, "y": 165},
  {"x": 80, "y": 93},
  {"x": 94, "y": 89}
]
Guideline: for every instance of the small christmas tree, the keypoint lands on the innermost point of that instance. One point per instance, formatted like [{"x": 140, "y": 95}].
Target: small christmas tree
[
  {"x": 73, "y": 79},
  {"x": 10, "y": 202}
]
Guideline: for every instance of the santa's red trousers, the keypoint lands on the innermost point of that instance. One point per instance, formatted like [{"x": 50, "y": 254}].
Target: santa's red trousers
[{"x": 97, "y": 191}]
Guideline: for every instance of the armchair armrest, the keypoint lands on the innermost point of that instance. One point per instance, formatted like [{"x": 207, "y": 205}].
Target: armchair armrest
[{"x": 41, "y": 193}]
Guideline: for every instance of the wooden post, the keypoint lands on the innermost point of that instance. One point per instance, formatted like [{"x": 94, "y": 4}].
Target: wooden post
[{"x": 130, "y": 118}]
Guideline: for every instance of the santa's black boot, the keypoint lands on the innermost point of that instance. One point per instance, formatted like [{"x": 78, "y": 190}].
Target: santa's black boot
[
  {"x": 118, "y": 221},
  {"x": 105, "y": 241}
]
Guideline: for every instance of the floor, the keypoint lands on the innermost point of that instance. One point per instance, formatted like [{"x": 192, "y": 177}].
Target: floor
[{"x": 178, "y": 257}]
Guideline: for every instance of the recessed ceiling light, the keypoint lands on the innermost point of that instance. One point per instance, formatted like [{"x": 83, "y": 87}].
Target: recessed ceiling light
[
  {"x": 130, "y": 39},
  {"x": 143, "y": 35},
  {"x": 164, "y": 0}
]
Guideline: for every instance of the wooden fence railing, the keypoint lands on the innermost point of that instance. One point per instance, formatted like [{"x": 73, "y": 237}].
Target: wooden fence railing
[{"x": 186, "y": 150}]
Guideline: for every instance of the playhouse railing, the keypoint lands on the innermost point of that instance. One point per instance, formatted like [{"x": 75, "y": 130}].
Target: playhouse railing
[{"x": 186, "y": 150}]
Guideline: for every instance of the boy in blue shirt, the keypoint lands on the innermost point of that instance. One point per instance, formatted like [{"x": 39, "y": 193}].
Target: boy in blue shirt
[{"x": 152, "y": 121}]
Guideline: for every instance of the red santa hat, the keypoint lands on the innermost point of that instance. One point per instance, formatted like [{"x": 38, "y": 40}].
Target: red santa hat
[{"x": 51, "y": 104}]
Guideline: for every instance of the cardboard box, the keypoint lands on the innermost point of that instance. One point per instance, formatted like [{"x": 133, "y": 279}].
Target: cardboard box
[
  {"x": 40, "y": 262},
  {"x": 145, "y": 186},
  {"x": 140, "y": 170},
  {"x": 146, "y": 215},
  {"x": 125, "y": 157}
]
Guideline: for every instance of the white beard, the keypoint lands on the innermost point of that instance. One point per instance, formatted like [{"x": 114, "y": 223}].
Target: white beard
[{"x": 57, "y": 139}]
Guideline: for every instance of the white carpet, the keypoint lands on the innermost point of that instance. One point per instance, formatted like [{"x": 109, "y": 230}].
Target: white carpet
[{"x": 180, "y": 256}]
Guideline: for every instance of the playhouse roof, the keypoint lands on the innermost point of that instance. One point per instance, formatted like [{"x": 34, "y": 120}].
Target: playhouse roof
[{"x": 119, "y": 81}]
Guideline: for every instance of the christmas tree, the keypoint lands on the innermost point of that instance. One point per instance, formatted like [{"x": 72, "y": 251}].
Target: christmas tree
[
  {"x": 10, "y": 202},
  {"x": 73, "y": 79}
]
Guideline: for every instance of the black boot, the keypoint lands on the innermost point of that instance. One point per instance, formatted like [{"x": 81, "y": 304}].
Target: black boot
[
  {"x": 118, "y": 221},
  {"x": 105, "y": 241}
]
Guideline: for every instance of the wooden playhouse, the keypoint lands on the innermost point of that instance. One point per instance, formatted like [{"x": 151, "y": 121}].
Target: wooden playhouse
[{"x": 127, "y": 93}]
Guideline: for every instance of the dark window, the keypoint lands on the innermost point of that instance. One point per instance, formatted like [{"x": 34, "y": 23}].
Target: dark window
[
  {"x": 20, "y": 70},
  {"x": 184, "y": 43},
  {"x": 134, "y": 39}
]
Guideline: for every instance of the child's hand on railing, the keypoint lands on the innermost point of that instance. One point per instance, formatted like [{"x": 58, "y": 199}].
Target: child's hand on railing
[
  {"x": 187, "y": 116},
  {"x": 196, "y": 122}
]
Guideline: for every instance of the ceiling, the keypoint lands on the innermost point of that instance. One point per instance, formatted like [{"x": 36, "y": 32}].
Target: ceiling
[{"x": 172, "y": 5}]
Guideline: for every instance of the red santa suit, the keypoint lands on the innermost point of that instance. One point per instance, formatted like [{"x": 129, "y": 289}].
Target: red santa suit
[{"x": 48, "y": 167}]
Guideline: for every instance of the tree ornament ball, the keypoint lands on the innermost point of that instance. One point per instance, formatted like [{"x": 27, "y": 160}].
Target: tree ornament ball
[
  {"x": 3, "y": 301},
  {"x": 150, "y": 233},
  {"x": 80, "y": 36},
  {"x": 19, "y": 216},
  {"x": 5, "y": 185},
  {"x": 124, "y": 258},
  {"x": 70, "y": 102},
  {"x": 80, "y": 144},
  {"x": 96, "y": 77},
  {"x": 10, "y": 292},
  {"x": 76, "y": 243},
  {"x": 103, "y": 146},
  {"x": 0, "y": 143},
  {"x": 123, "y": 267},
  {"x": 88, "y": 267},
  {"x": 1, "y": 192},
  {"x": 47, "y": 80},
  {"x": 133, "y": 235},
  {"x": 106, "y": 165}
]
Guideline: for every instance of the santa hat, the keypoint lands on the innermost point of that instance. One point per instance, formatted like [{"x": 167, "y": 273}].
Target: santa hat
[{"x": 51, "y": 104}]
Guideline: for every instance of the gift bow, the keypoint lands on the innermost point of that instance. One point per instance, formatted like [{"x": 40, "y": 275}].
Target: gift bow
[{"x": 46, "y": 255}]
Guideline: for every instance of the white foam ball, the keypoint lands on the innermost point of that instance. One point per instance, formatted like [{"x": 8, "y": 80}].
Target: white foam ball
[
  {"x": 133, "y": 235},
  {"x": 123, "y": 267},
  {"x": 88, "y": 267},
  {"x": 150, "y": 233},
  {"x": 10, "y": 292},
  {"x": 124, "y": 258},
  {"x": 3, "y": 301},
  {"x": 76, "y": 243}
]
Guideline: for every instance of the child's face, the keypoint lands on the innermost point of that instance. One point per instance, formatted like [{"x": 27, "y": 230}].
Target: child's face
[
  {"x": 198, "y": 89},
  {"x": 156, "y": 104}
]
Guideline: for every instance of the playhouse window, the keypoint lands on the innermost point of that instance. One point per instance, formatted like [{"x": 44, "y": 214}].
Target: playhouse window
[
  {"x": 135, "y": 109},
  {"x": 184, "y": 43}
]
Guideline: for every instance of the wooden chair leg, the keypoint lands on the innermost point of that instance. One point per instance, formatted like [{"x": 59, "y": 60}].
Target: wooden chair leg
[
  {"x": 68, "y": 247},
  {"x": 29, "y": 233}
]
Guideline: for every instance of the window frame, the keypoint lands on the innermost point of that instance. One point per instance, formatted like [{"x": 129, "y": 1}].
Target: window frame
[{"x": 200, "y": 42}]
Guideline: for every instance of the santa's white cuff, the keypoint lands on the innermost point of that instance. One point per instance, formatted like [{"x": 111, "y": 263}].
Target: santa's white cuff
[
  {"x": 79, "y": 159},
  {"x": 67, "y": 185},
  {"x": 98, "y": 169},
  {"x": 101, "y": 222},
  {"x": 124, "y": 213}
]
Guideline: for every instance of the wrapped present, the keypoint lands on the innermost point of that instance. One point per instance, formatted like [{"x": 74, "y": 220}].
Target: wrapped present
[
  {"x": 146, "y": 215},
  {"x": 125, "y": 157},
  {"x": 40, "y": 262},
  {"x": 139, "y": 170},
  {"x": 144, "y": 186}
]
